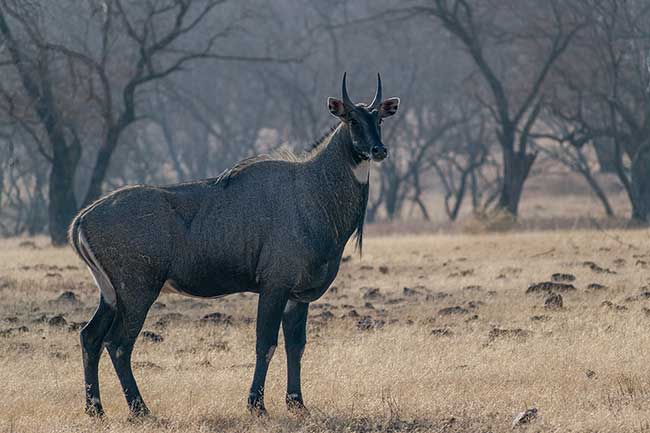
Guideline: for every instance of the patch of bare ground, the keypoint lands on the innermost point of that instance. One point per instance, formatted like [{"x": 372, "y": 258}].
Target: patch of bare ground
[{"x": 427, "y": 333}]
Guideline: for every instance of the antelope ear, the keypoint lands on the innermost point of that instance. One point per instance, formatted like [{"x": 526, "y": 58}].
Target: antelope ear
[
  {"x": 336, "y": 107},
  {"x": 389, "y": 107}
]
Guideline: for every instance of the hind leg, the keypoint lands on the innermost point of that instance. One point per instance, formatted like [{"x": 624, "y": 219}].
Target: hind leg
[
  {"x": 294, "y": 327},
  {"x": 121, "y": 337},
  {"x": 92, "y": 343}
]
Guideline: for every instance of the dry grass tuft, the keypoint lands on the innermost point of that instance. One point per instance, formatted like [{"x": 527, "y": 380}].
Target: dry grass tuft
[{"x": 425, "y": 333}]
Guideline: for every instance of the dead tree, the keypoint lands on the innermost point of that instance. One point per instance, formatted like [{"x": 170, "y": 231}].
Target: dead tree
[
  {"x": 605, "y": 92},
  {"x": 546, "y": 32},
  {"x": 136, "y": 44}
]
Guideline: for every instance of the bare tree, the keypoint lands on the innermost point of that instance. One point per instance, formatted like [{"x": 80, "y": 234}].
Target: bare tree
[
  {"x": 530, "y": 43},
  {"x": 604, "y": 91},
  {"x": 568, "y": 145},
  {"x": 103, "y": 77}
]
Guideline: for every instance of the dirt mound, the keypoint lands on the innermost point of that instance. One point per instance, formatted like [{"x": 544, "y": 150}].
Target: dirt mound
[
  {"x": 217, "y": 318},
  {"x": 563, "y": 278},
  {"x": 152, "y": 337},
  {"x": 457, "y": 309},
  {"x": 550, "y": 286},
  {"x": 554, "y": 302}
]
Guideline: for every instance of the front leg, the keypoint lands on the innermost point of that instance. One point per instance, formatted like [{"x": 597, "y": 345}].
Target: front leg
[
  {"x": 269, "y": 315},
  {"x": 294, "y": 327}
]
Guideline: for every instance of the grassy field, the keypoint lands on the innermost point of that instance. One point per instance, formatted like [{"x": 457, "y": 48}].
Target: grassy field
[{"x": 385, "y": 352}]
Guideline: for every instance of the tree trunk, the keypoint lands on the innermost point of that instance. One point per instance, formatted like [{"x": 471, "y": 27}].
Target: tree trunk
[
  {"x": 598, "y": 190},
  {"x": 102, "y": 163},
  {"x": 516, "y": 168},
  {"x": 606, "y": 154},
  {"x": 391, "y": 199},
  {"x": 640, "y": 185},
  {"x": 63, "y": 205}
]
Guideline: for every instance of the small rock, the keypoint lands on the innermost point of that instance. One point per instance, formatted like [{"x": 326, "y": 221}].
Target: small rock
[
  {"x": 367, "y": 323},
  {"x": 524, "y": 417},
  {"x": 325, "y": 315},
  {"x": 371, "y": 293},
  {"x": 597, "y": 269},
  {"x": 613, "y": 306},
  {"x": 366, "y": 267},
  {"x": 383, "y": 269},
  {"x": 453, "y": 310},
  {"x": 75, "y": 326},
  {"x": 352, "y": 313},
  {"x": 540, "y": 318},
  {"x": 217, "y": 318},
  {"x": 563, "y": 278},
  {"x": 68, "y": 296},
  {"x": 369, "y": 305},
  {"x": 10, "y": 331},
  {"x": 473, "y": 288},
  {"x": 442, "y": 332},
  {"x": 407, "y": 291},
  {"x": 57, "y": 321},
  {"x": 152, "y": 337},
  {"x": 590, "y": 374},
  {"x": 596, "y": 287},
  {"x": 553, "y": 301},
  {"x": 508, "y": 333}
]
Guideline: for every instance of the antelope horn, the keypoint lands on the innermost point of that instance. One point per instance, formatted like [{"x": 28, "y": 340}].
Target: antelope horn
[
  {"x": 344, "y": 90},
  {"x": 377, "y": 99}
]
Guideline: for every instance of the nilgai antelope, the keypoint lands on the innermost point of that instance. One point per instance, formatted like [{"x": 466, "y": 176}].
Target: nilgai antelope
[{"x": 273, "y": 226}]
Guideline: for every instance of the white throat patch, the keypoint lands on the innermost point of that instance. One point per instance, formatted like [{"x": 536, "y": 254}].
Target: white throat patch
[{"x": 361, "y": 171}]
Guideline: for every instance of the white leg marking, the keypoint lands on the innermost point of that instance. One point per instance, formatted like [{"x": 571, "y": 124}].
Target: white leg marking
[
  {"x": 362, "y": 171},
  {"x": 269, "y": 354},
  {"x": 98, "y": 273}
]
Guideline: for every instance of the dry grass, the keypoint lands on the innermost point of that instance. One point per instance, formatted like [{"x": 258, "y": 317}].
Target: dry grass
[{"x": 421, "y": 371}]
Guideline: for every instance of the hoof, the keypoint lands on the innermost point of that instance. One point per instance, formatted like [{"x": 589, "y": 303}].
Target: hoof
[
  {"x": 295, "y": 405},
  {"x": 94, "y": 407},
  {"x": 139, "y": 412},
  {"x": 256, "y": 406},
  {"x": 94, "y": 410}
]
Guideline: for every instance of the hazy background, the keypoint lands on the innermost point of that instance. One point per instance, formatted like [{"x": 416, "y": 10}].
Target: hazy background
[{"x": 508, "y": 106}]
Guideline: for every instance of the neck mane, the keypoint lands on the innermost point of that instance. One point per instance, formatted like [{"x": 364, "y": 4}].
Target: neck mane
[
  {"x": 344, "y": 193},
  {"x": 334, "y": 181}
]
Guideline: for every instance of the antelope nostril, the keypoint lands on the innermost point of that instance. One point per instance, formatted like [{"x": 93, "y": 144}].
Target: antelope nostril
[{"x": 377, "y": 150}]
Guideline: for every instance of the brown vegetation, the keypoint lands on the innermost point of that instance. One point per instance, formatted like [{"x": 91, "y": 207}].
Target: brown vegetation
[{"x": 391, "y": 361}]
